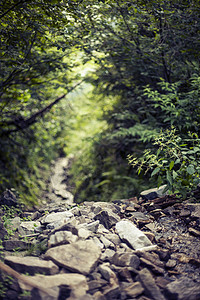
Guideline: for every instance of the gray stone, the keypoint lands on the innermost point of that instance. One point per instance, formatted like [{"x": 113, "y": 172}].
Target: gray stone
[
  {"x": 14, "y": 223},
  {"x": 133, "y": 290},
  {"x": 106, "y": 242},
  {"x": 61, "y": 238},
  {"x": 107, "y": 218},
  {"x": 97, "y": 242},
  {"x": 129, "y": 233},
  {"x": 83, "y": 233},
  {"x": 107, "y": 255},
  {"x": 75, "y": 283},
  {"x": 93, "y": 226},
  {"x": 149, "y": 285},
  {"x": 98, "y": 206},
  {"x": 183, "y": 289},
  {"x": 8, "y": 198},
  {"x": 106, "y": 272},
  {"x": 28, "y": 227},
  {"x": 155, "y": 269},
  {"x": 95, "y": 285},
  {"x": 80, "y": 257},
  {"x": 11, "y": 245},
  {"x": 153, "y": 193},
  {"x": 56, "y": 217},
  {"x": 194, "y": 209},
  {"x": 114, "y": 238},
  {"x": 31, "y": 265},
  {"x": 126, "y": 260},
  {"x": 171, "y": 263}
]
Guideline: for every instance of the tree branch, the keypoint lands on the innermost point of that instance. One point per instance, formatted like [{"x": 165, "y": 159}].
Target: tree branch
[
  {"x": 11, "y": 8},
  {"x": 20, "y": 123}
]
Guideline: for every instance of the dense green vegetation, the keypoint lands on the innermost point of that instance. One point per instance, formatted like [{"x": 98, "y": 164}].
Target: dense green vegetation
[{"x": 141, "y": 77}]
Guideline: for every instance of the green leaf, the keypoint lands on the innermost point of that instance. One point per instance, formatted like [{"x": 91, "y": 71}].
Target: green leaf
[
  {"x": 169, "y": 178},
  {"x": 155, "y": 171},
  {"x": 171, "y": 165},
  {"x": 174, "y": 174},
  {"x": 190, "y": 169}
]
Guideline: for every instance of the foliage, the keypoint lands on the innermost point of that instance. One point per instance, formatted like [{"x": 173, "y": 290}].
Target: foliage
[
  {"x": 146, "y": 57},
  {"x": 174, "y": 161}
]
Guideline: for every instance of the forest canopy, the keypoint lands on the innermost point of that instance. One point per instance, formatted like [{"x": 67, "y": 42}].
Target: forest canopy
[{"x": 143, "y": 84}]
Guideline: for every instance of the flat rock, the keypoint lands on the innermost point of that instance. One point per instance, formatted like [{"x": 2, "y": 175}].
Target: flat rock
[
  {"x": 55, "y": 217},
  {"x": 61, "y": 238},
  {"x": 107, "y": 218},
  {"x": 11, "y": 245},
  {"x": 105, "y": 271},
  {"x": 75, "y": 284},
  {"x": 28, "y": 227},
  {"x": 149, "y": 285},
  {"x": 183, "y": 289},
  {"x": 129, "y": 233},
  {"x": 31, "y": 265},
  {"x": 80, "y": 257},
  {"x": 126, "y": 260},
  {"x": 153, "y": 193},
  {"x": 133, "y": 290}
]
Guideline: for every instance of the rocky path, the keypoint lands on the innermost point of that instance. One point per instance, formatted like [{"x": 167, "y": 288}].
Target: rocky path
[{"x": 146, "y": 248}]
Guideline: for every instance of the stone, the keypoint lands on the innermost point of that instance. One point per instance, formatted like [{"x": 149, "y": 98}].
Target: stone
[
  {"x": 61, "y": 238},
  {"x": 107, "y": 255},
  {"x": 105, "y": 271},
  {"x": 114, "y": 238},
  {"x": 133, "y": 290},
  {"x": 8, "y": 198},
  {"x": 194, "y": 209},
  {"x": 98, "y": 206},
  {"x": 185, "y": 213},
  {"x": 194, "y": 231},
  {"x": 171, "y": 263},
  {"x": 93, "y": 226},
  {"x": 80, "y": 257},
  {"x": 14, "y": 223},
  {"x": 164, "y": 254},
  {"x": 75, "y": 285},
  {"x": 28, "y": 227},
  {"x": 95, "y": 285},
  {"x": 153, "y": 193},
  {"x": 83, "y": 233},
  {"x": 149, "y": 285},
  {"x": 31, "y": 265},
  {"x": 97, "y": 242},
  {"x": 106, "y": 242},
  {"x": 107, "y": 218},
  {"x": 152, "y": 257},
  {"x": 55, "y": 217},
  {"x": 11, "y": 245},
  {"x": 155, "y": 269},
  {"x": 183, "y": 289},
  {"x": 126, "y": 260},
  {"x": 134, "y": 237}
]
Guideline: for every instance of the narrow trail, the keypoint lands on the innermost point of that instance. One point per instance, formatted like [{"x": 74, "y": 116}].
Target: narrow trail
[{"x": 58, "y": 194}]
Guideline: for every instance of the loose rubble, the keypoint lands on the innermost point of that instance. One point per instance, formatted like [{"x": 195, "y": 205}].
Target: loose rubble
[{"x": 146, "y": 248}]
